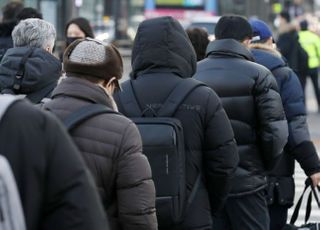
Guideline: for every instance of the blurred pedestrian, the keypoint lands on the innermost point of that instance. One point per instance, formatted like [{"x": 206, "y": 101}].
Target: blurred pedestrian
[
  {"x": 310, "y": 42},
  {"x": 299, "y": 146},
  {"x": 78, "y": 28},
  {"x": 249, "y": 94},
  {"x": 162, "y": 59},
  {"x": 29, "y": 12},
  {"x": 199, "y": 38},
  {"x": 8, "y": 22},
  {"x": 29, "y": 68},
  {"x": 109, "y": 142},
  {"x": 289, "y": 45},
  {"x": 56, "y": 189}
]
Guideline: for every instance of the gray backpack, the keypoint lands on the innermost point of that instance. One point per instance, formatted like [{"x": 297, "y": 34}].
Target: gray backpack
[{"x": 11, "y": 215}]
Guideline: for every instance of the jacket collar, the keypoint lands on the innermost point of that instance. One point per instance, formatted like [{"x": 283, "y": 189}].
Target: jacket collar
[
  {"x": 267, "y": 56},
  {"x": 82, "y": 89},
  {"x": 228, "y": 47}
]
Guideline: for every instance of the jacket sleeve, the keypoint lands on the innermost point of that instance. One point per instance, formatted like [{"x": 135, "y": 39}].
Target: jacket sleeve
[
  {"x": 273, "y": 127},
  {"x": 135, "y": 187},
  {"x": 299, "y": 143},
  {"x": 220, "y": 153},
  {"x": 72, "y": 201}
]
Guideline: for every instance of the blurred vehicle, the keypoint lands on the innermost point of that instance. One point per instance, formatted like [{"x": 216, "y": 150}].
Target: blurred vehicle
[
  {"x": 133, "y": 25},
  {"x": 105, "y": 31},
  {"x": 207, "y": 23}
]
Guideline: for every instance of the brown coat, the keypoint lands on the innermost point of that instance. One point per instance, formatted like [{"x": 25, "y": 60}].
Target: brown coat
[{"x": 112, "y": 148}]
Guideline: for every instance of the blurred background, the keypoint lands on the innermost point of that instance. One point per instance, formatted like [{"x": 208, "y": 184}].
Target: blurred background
[{"x": 117, "y": 20}]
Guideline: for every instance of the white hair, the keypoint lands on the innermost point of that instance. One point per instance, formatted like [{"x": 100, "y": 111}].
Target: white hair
[{"x": 34, "y": 32}]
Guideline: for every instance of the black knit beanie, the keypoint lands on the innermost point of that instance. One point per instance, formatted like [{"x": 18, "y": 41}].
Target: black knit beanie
[{"x": 83, "y": 24}]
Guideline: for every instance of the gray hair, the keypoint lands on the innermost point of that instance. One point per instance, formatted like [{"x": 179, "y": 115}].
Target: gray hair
[{"x": 34, "y": 32}]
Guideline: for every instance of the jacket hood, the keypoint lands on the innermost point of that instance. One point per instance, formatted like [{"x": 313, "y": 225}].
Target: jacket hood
[
  {"x": 42, "y": 69},
  {"x": 270, "y": 58},
  {"x": 162, "y": 46},
  {"x": 229, "y": 47},
  {"x": 6, "y": 28}
]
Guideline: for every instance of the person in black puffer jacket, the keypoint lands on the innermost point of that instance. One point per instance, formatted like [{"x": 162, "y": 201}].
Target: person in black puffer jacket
[
  {"x": 249, "y": 94},
  {"x": 280, "y": 189},
  {"x": 162, "y": 58},
  {"x": 29, "y": 68}
]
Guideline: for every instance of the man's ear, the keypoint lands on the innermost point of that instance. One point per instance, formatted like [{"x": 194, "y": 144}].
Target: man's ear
[
  {"x": 49, "y": 49},
  {"x": 110, "y": 82}
]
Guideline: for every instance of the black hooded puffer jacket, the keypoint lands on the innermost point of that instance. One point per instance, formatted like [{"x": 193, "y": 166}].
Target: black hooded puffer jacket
[
  {"x": 249, "y": 95},
  {"x": 163, "y": 57},
  {"x": 41, "y": 72}
]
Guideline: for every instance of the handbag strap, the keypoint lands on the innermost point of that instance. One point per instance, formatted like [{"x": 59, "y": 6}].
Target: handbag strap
[
  {"x": 295, "y": 214},
  {"x": 308, "y": 208},
  {"x": 313, "y": 191}
]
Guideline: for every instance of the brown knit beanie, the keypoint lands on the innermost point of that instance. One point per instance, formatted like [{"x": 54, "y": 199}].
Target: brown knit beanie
[{"x": 90, "y": 57}]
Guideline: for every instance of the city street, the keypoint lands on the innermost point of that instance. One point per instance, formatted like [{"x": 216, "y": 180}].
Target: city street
[{"x": 314, "y": 127}]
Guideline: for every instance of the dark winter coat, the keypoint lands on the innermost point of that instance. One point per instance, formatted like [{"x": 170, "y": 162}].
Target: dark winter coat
[
  {"x": 5, "y": 37},
  {"x": 41, "y": 73},
  {"x": 299, "y": 146},
  {"x": 55, "y": 187},
  {"x": 162, "y": 58},
  {"x": 248, "y": 92},
  {"x": 112, "y": 149},
  {"x": 291, "y": 49}
]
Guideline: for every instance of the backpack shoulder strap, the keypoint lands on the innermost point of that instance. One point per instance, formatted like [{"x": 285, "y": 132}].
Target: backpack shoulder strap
[
  {"x": 129, "y": 101},
  {"x": 84, "y": 113},
  {"x": 177, "y": 96}
]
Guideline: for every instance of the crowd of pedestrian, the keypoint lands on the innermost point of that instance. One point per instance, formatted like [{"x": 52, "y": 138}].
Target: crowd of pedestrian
[{"x": 203, "y": 135}]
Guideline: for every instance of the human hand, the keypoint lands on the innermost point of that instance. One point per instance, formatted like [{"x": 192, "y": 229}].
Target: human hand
[{"x": 315, "y": 178}]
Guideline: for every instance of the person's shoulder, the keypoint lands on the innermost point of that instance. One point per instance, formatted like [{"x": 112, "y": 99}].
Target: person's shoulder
[
  {"x": 113, "y": 121},
  {"x": 25, "y": 110},
  {"x": 24, "y": 115},
  {"x": 256, "y": 67}
]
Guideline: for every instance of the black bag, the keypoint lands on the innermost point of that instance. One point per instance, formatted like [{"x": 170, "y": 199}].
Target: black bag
[
  {"x": 163, "y": 144},
  {"x": 306, "y": 225}
]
